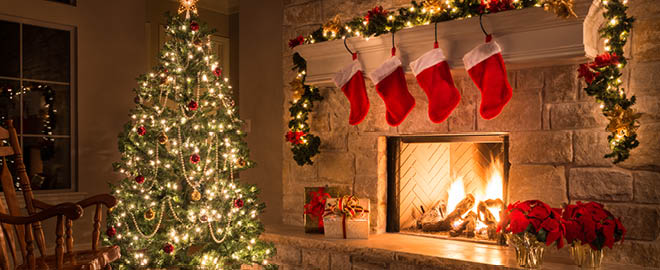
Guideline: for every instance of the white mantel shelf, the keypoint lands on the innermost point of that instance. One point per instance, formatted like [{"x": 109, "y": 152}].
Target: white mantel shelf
[{"x": 528, "y": 37}]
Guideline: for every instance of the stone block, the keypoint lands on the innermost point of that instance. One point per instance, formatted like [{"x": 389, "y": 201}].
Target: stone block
[
  {"x": 418, "y": 120},
  {"x": 293, "y": 202},
  {"x": 359, "y": 143},
  {"x": 644, "y": 9},
  {"x": 340, "y": 261},
  {"x": 337, "y": 167},
  {"x": 522, "y": 113},
  {"x": 370, "y": 266},
  {"x": 600, "y": 184},
  {"x": 295, "y": 2},
  {"x": 645, "y": 78},
  {"x": 561, "y": 84},
  {"x": 542, "y": 182},
  {"x": 646, "y": 154},
  {"x": 347, "y": 10},
  {"x": 463, "y": 118},
  {"x": 303, "y": 173},
  {"x": 647, "y": 187},
  {"x": 642, "y": 222},
  {"x": 646, "y": 44},
  {"x": 334, "y": 140},
  {"x": 316, "y": 259},
  {"x": 642, "y": 253},
  {"x": 306, "y": 13},
  {"x": 541, "y": 147},
  {"x": 287, "y": 254},
  {"x": 529, "y": 78},
  {"x": 590, "y": 147},
  {"x": 295, "y": 219},
  {"x": 650, "y": 107},
  {"x": 366, "y": 163},
  {"x": 576, "y": 115}
]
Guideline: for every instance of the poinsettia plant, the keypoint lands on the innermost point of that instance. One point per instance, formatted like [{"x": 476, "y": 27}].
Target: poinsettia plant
[
  {"x": 590, "y": 223},
  {"x": 534, "y": 217}
]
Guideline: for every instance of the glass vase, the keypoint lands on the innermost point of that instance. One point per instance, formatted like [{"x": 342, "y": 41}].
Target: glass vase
[
  {"x": 585, "y": 257},
  {"x": 529, "y": 251}
]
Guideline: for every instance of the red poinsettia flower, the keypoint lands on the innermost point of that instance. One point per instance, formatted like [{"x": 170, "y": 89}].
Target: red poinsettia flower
[
  {"x": 495, "y": 5},
  {"x": 295, "y": 137},
  {"x": 376, "y": 11},
  {"x": 592, "y": 224},
  {"x": 546, "y": 221},
  {"x": 605, "y": 59},
  {"x": 586, "y": 73},
  {"x": 299, "y": 40}
]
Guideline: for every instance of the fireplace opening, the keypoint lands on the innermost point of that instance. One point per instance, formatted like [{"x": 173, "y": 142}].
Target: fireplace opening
[{"x": 451, "y": 187}]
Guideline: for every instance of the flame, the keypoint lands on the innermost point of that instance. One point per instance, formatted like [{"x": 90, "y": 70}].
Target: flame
[
  {"x": 455, "y": 194},
  {"x": 494, "y": 189}
]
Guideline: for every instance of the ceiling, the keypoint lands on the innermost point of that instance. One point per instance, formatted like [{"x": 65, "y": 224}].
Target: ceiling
[{"x": 220, "y": 6}]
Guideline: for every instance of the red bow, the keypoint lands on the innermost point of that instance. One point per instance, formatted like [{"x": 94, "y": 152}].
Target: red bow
[{"x": 316, "y": 206}]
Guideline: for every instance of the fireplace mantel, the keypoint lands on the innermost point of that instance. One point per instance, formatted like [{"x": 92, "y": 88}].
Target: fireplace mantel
[{"x": 528, "y": 37}]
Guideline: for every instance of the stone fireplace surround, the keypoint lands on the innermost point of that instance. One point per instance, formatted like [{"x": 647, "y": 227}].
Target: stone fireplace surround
[{"x": 556, "y": 146}]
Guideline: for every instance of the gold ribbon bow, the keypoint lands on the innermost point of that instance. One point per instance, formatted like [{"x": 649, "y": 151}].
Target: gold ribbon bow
[
  {"x": 622, "y": 122},
  {"x": 347, "y": 205},
  {"x": 333, "y": 26},
  {"x": 562, "y": 8}
]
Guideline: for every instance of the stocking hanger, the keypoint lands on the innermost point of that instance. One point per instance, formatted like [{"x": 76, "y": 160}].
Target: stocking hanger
[
  {"x": 354, "y": 55},
  {"x": 435, "y": 44},
  {"x": 481, "y": 24},
  {"x": 393, "y": 48}
]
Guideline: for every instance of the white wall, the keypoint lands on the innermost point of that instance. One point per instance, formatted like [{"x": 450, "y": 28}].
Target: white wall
[{"x": 261, "y": 97}]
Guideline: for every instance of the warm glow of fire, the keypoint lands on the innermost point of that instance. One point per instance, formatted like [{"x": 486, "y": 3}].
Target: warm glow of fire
[
  {"x": 493, "y": 190},
  {"x": 455, "y": 194}
]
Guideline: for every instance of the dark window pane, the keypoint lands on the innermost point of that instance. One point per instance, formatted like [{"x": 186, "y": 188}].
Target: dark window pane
[
  {"x": 9, "y": 49},
  {"x": 47, "y": 161},
  {"x": 46, "y": 53},
  {"x": 9, "y": 101},
  {"x": 45, "y": 109}
]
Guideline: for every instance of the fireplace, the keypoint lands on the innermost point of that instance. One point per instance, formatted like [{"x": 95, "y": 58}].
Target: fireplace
[{"x": 447, "y": 186}]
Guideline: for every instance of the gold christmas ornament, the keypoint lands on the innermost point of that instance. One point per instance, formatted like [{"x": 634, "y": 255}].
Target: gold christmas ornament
[
  {"x": 332, "y": 27},
  {"x": 162, "y": 138},
  {"x": 432, "y": 5},
  {"x": 196, "y": 196},
  {"x": 188, "y": 6},
  {"x": 150, "y": 214},
  {"x": 241, "y": 163},
  {"x": 562, "y": 8},
  {"x": 297, "y": 88},
  {"x": 622, "y": 122}
]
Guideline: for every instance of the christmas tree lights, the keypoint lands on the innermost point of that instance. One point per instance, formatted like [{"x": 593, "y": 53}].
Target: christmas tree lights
[{"x": 180, "y": 203}]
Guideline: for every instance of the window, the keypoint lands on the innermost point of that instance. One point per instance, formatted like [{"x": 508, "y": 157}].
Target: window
[{"x": 36, "y": 91}]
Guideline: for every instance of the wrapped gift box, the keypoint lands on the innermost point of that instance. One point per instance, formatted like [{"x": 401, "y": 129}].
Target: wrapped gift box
[
  {"x": 312, "y": 222},
  {"x": 355, "y": 227}
]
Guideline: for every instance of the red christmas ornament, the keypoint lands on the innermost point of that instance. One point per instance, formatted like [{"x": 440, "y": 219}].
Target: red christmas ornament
[
  {"x": 194, "y": 158},
  {"x": 139, "y": 179},
  {"x": 168, "y": 248},
  {"x": 194, "y": 26},
  {"x": 217, "y": 71},
  {"x": 111, "y": 232},
  {"x": 238, "y": 203},
  {"x": 192, "y": 105},
  {"x": 141, "y": 130}
]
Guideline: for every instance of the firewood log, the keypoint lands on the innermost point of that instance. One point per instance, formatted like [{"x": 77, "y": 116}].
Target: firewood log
[
  {"x": 484, "y": 214},
  {"x": 445, "y": 225}
]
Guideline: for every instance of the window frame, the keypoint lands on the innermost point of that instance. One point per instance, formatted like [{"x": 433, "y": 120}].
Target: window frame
[{"x": 73, "y": 94}]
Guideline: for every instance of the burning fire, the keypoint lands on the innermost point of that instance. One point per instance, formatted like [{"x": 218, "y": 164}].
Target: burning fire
[{"x": 492, "y": 191}]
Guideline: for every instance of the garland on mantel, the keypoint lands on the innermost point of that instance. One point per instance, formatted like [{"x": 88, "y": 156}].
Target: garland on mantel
[{"x": 603, "y": 76}]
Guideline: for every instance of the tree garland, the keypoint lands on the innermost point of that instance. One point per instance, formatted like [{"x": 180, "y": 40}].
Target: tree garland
[{"x": 602, "y": 76}]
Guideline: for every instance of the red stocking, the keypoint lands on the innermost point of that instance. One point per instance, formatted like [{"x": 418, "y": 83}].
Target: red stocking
[
  {"x": 432, "y": 73},
  {"x": 351, "y": 82},
  {"x": 486, "y": 68},
  {"x": 392, "y": 88}
]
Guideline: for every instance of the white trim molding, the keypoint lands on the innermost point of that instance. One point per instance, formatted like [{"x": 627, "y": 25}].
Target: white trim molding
[{"x": 527, "y": 37}]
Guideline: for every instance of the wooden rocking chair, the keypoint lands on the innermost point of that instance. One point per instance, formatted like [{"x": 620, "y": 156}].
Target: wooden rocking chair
[{"x": 28, "y": 228}]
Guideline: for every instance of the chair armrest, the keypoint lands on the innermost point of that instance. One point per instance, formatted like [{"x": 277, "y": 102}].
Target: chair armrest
[
  {"x": 105, "y": 199},
  {"x": 70, "y": 210}
]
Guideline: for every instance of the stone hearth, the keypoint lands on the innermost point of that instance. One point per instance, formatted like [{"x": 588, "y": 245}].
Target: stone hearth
[{"x": 556, "y": 145}]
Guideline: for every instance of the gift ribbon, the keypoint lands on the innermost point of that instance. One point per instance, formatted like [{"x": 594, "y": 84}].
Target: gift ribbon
[
  {"x": 316, "y": 205},
  {"x": 346, "y": 206}
]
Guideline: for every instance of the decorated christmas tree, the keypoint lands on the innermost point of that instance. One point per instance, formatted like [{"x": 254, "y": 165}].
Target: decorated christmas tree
[{"x": 181, "y": 205}]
